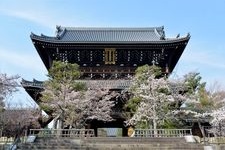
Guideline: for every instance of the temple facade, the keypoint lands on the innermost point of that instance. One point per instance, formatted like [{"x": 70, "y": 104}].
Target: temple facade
[{"x": 107, "y": 57}]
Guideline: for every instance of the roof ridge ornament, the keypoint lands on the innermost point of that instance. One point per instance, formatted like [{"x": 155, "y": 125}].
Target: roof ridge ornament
[
  {"x": 157, "y": 33},
  {"x": 188, "y": 34},
  {"x": 58, "y": 28},
  {"x": 58, "y": 31},
  {"x": 162, "y": 35}
]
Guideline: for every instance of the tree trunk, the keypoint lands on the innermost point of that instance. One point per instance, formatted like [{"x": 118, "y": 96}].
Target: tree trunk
[
  {"x": 155, "y": 127},
  {"x": 154, "y": 119},
  {"x": 55, "y": 123}
]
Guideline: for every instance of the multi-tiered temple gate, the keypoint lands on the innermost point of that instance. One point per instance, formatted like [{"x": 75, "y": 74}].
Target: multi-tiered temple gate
[{"x": 107, "y": 57}]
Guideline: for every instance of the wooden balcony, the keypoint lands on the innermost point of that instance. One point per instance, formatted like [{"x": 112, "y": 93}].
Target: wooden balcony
[
  {"x": 106, "y": 84},
  {"x": 93, "y": 84}
]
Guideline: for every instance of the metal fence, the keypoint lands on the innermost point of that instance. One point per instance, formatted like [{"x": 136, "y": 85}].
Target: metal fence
[
  {"x": 162, "y": 132},
  {"x": 62, "y": 132}
]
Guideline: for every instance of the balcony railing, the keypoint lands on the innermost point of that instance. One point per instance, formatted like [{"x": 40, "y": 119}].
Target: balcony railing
[
  {"x": 94, "y": 84},
  {"x": 106, "y": 84}
]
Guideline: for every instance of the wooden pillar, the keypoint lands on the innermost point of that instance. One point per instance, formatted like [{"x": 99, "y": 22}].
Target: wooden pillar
[
  {"x": 124, "y": 131},
  {"x": 96, "y": 131},
  {"x": 93, "y": 125}
]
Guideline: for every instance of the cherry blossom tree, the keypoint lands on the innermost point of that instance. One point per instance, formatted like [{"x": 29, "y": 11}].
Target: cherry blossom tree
[
  {"x": 195, "y": 102},
  {"x": 8, "y": 85},
  {"x": 201, "y": 105},
  {"x": 17, "y": 121},
  {"x": 154, "y": 93},
  {"x": 156, "y": 98},
  {"x": 93, "y": 104},
  {"x": 60, "y": 89},
  {"x": 70, "y": 101},
  {"x": 160, "y": 100},
  {"x": 217, "y": 113}
]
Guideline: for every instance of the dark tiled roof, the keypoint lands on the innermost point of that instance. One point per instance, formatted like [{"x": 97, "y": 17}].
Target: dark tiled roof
[
  {"x": 34, "y": 83},
  {"x": 105, "y": 35}
]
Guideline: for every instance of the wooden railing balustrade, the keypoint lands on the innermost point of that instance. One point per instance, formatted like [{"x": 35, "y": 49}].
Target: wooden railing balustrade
[
  {"x": 104, "y": 84},
  {"x": 62, "y": 132},
  {"x": 162, "y": 132}
]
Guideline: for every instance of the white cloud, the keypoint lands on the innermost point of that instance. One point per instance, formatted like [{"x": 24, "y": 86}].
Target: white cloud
[
  {"x": 200, "y": 57},
  {"x": 25, "y": 61},
  {"x": 45, "y": 17},
  {"x": 204, "y": 57},
  {"x": 36, "y": 17},
  {"x": 26, "y": 65}
]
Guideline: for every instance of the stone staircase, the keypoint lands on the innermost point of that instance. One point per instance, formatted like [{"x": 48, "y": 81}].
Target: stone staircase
[
  {"x": 111, "y": 143},
  {"x": 139, "y": 143},
  {"x": 53, "y": 143}
]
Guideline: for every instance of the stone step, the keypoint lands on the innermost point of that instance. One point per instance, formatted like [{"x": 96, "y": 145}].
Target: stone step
[
  {"x": 112, "y": 143},
  {"x": 109, "y": 140},
  {"x": 117, "y": 147},
  {"x": 25, "y": 147},
  {"x": 134, "y": 140},
  {"x": 148, "y": 147}
]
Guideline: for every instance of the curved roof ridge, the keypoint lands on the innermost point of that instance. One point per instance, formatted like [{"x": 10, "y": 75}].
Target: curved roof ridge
[
  {"x": 179, "y": 37},
  {"x": 42, "y": 36},
  {"x": 108, "y": 35},
  {"x": 31, "y": 81},
  {"x": 34, "y": 83},
  {"x": 157, "y": 33},
  {"x": 113, "y": 28},
  {"x": 45, "y": 36},
  {"x": 37, "y": 81}
]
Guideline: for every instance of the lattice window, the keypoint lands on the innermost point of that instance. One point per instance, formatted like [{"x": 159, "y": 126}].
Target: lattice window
[
  {"x": 134, "y": 56},
  {"x": 84, "y": 56},
  {"x": 97, "y": 56},
  {"x": 122, "y": 56}
]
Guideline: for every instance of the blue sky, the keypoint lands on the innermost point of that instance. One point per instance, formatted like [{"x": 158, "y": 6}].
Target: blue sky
[{"x": 205, "y": 20}]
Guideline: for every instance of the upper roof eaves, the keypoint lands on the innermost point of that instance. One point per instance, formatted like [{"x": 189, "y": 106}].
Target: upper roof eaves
[{"x": 108, "y": 35}]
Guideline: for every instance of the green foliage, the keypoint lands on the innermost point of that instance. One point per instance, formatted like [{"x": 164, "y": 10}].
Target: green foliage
[
  {"x": 146, "y": 69},
  {"x": 204, "y": 98},
  {"x": 132, "y": 105},
  {"x": 172, "y": 124},
  {"x": 142, "y": 74},
  {"x": 193, "y": 82},
  {"x": 62, "y": 71},
  {"x": 196, "y": 87},
  {"x": 46, "y": 108},
  {"x": 143, "y": 124},
  {"x": 80, "y": 86}
]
